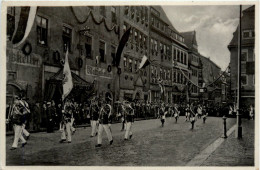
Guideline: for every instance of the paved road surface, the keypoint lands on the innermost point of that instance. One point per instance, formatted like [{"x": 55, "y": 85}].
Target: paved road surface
[{"x": 151, "y": 145}]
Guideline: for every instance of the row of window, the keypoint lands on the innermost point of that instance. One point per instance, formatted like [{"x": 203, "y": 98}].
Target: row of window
[
  {"x": 194, "y": 72},
  {"x": 165, "y": 74},
  {"x": 248, "y": 34},
  {"x": 194, "y": 89},
  {"x": 178, "y": 77},
  {"x": 137, "y": 13},
  {"x": 195, "y": 58},
  {"x": 136, "y": 37},
  {"x": 131, "y": 65},
  {"x": 160, "y": 48},
  {"x": 180, "y": 56}
]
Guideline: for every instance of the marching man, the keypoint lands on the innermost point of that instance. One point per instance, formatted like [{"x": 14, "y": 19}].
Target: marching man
[
  {"x": 176, "y": 112},
  {"x": 66, "y": 124},
  {"x": 162, "y": 114},
  {"x": 94, "y": 119},
  {"x": 129, "y": 111},
  {"x": 187, "y": 113},
  {"x": 17, "y": 117},
  {"x": 104, "y": 121}
]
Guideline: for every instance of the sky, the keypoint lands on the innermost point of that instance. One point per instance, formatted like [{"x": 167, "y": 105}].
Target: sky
[{"x": 214, "y": 26}]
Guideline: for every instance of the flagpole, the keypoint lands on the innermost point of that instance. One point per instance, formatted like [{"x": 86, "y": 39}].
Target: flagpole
[{"x": 239, "y": 121}]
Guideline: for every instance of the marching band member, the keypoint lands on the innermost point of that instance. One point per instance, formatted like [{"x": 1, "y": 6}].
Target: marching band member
[
  {"x": 17, "y": 117},
  {"x": 129, "y": 112},
  {"x": 176, "y": 112},
  {"x": 104, "y": 118},
  {"x": 66, "y": 124},
  {"x": 94, "y": 109},
  {"x": 187, "y": 113},
  {"x": 205, "y": 114},
  {"x": 199, "y": 111},
  {"x": 162, "y": 114},
  {"x": 26, "y": 111}
]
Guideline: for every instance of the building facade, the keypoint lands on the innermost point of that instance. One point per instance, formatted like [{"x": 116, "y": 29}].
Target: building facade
[
  {"x": 194, "y": 64},
  {"x": 247, "y": 58}
]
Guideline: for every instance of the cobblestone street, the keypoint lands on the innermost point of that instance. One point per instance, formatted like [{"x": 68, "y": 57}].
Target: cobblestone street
[{"x": 151, "y": 145}]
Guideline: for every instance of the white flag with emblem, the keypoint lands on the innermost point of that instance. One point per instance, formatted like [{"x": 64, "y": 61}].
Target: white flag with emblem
[{"x": 67, "y": 78}]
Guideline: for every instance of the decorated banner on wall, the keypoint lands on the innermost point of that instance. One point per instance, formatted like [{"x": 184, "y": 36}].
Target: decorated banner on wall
[{"x": 97, "y": 71}]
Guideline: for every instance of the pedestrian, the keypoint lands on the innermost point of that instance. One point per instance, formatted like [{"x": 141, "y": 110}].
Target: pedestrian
[
  {"x": 129, "y": 112},
  {"x": 104, "y": 117},
  {"x": 36, "y": 116},
  {"x": 49, "y": 115},
  {"x": 251, "y": 112},
  {"x": 16, "y": 116},
  {"x": 192, "y": 119},
  {"x": 66, "y": 124},
  {"x": 94, "y": 119}
]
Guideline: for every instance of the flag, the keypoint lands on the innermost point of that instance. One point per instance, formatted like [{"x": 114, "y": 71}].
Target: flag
[
  {"x": 121, "y": 46},
  {"x": 161, "y": 86},
  {"x": 145, "y": 62},
  {"x": 25, "y": 23},
  {"x": 67, "y": 78}
]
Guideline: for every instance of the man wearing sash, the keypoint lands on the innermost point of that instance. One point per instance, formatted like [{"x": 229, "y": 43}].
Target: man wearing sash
[
  {"x": 94, "y": 110},
  {"x": 17, "y": 113},
  {"x": 66, "y": 123},
  {"x": 104, "y": 121},
  {"x": 162, "y": 114},
  {"x": 129, "y": 112}
]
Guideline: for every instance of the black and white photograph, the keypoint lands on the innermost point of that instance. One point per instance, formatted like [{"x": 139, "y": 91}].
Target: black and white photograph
[{"x": 130, "y": 85}]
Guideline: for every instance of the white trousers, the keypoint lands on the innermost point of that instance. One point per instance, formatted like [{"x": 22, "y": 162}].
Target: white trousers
[
  {"x": 94, "y": 128},
  {"x": 128, "y": 131},
  {"x": 101, "y": 127},
  {"x": 24, "y": 131},
  {"x": 17, "y": 135},
  {"x": 66, "y": 131}
]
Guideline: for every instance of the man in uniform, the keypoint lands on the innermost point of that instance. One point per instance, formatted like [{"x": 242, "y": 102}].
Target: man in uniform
[
  {"x": 94, "y": 110},
  {"x": 162, "y": 114},
  {"x": 66, "y": 123},
  {"x": 17, "y": 117},
  {"x": 104, "y": 120},
  {"x": 129, "y": 112},
  {"x": 176, "y": 112}
]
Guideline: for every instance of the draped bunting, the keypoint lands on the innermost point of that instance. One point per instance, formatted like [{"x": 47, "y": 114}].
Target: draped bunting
[{"x": 103, "y": 20}]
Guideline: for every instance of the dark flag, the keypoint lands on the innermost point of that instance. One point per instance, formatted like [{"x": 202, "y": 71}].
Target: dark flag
[
  {"x": 121, "y": 46},
  {"x": 25, "y": 24}
]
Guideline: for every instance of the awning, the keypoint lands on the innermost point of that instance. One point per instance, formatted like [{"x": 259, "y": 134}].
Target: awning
[{"x": 77, "y": 80}]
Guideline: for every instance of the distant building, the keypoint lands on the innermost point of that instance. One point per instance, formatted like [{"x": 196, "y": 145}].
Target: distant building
[
  {"x": 194, "y": 64},
  {"x": 247, "y": 58}
]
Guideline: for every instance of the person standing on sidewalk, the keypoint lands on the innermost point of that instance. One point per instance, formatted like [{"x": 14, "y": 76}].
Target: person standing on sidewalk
[
  {"x": 104, "y": 118},
  {"x": 94, "y": 119}
]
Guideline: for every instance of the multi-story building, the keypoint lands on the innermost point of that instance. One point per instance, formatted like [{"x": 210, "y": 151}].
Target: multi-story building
[
  {"x": 160, "y": 54},
  {"x": 194, "y": 63},
  {"x": 180, "y": 67},
  {"x": 247, "y": 58},
  {"x": 91, "y": 46},
  {"x": 134, "y": 84},
  {"x": 210, "y": 72}
]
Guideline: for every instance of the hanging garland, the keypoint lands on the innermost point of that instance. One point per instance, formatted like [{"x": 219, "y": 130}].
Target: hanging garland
[
  {"x": 197, "y": 85},
  {"x": 90, "y": 13}
]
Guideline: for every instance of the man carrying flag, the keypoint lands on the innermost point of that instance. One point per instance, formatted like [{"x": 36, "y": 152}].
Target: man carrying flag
[{"x": 67, "y": 112}]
